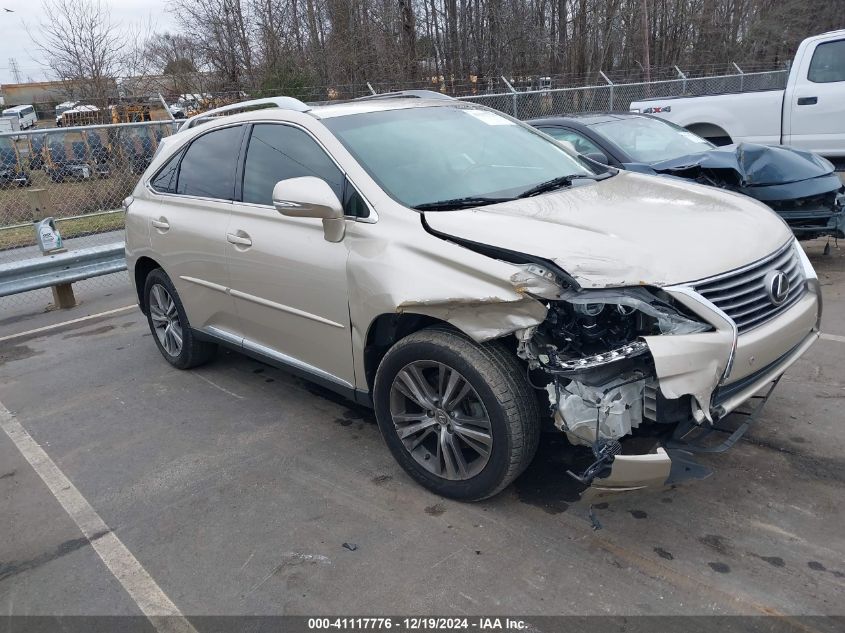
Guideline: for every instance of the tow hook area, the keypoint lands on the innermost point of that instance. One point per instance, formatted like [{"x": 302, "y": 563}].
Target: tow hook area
[
  {"x": 605, "y": 454},
  {"x": 620, "y": 473},
  {"x": 634, "y": 472},
  {"x": 672, "y": 462},
  {"x": 627, "y": 473}
]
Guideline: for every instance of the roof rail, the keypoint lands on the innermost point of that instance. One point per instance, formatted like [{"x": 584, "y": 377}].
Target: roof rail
[
  {"x": 286, "y": 103},
  {"x": 399, "y": 94}
]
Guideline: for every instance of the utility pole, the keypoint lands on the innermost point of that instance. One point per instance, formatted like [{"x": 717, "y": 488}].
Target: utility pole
[
  {"x": 646, "y": 40},
  {"x": 13, "y": 67}
]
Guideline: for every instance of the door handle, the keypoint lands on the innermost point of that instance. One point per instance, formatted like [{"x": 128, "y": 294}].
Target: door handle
[
  {"x": 808, "y": 100},
  {"x": 161, "y": 224},
  {"x": 239, "y": 239}
]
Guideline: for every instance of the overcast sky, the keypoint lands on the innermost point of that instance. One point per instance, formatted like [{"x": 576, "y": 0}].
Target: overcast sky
[{"x": 15, "y": 42}]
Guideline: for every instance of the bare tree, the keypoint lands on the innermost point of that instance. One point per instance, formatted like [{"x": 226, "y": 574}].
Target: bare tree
[
  {"x": 178, "y": 60},
  {"x": 82, "y": 45},
  {"x": 468, "y": 44}
]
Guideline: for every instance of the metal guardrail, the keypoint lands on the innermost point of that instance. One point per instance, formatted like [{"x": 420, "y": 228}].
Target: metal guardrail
[
  {"x": 61, "y": 269},
  {"x": 78, "y": 176}
]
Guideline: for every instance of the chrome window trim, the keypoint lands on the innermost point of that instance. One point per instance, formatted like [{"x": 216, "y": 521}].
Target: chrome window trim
[
  {"x": 370, "y": 219},
  {"x": 185, "y": 147}
]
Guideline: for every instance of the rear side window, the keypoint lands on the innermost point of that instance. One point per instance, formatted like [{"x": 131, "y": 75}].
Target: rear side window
[
  {"x": 165, "y": 180},
  {"x": 278, "y": 152},
  {"x": 828, "y": 63},
  {"x": 208, "y": 168}
]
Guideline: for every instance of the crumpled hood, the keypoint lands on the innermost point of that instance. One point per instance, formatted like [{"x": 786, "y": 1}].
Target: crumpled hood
[
  {"x": 627, "y": 230},
  {"x": 753, "y": 165}
]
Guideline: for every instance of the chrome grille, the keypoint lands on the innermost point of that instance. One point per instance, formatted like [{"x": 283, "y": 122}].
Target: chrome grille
[{"x": 742, "y": 294}]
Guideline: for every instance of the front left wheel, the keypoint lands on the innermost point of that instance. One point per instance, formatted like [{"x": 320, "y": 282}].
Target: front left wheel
[
  {"x": 169, "y": 324},
  {"x": 458, "y": 416}
]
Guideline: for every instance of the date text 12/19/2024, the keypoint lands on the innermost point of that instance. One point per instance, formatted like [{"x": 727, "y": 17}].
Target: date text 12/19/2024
[{"x": 418, "y": 624}]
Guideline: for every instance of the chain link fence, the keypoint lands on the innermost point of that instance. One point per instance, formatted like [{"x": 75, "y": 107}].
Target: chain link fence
[
  {"x": 80, "y": 175},
  {"x": 610, "y": 96}
]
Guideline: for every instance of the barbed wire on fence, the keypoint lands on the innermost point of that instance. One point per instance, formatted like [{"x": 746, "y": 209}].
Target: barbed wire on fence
[{"x": 147, "y": 89}]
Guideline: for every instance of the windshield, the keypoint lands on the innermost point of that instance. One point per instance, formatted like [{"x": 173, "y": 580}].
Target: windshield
[
  {"x": 649, "y": 140},
  {"x": 421, "y": 156}
]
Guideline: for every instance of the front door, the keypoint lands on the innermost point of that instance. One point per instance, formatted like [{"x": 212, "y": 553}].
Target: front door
[
  {"x": 288, "y": 283},
  {"x": 815, "y": 104}
]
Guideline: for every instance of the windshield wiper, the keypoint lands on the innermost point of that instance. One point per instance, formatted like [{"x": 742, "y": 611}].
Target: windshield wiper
[
  {"x": 459, "y": 203},
  {"x": 560, "y": 182}
]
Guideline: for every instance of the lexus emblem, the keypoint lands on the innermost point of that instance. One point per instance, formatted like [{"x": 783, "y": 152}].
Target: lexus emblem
[{"x": 777, "y": 286}]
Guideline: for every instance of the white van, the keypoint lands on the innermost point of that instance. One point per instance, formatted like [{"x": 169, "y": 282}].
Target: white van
[{"x": 25, "y": 115}]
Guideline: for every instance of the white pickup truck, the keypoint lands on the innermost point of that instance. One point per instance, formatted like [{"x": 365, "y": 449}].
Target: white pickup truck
[{"x": 809, "y": 114}]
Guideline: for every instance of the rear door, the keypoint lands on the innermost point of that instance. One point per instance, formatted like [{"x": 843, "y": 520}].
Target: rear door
[
  {"x": 188, "y": 227},
  {"x": 815, "y": 104}
]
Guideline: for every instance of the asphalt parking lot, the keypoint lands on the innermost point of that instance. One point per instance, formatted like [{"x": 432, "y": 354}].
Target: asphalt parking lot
[{"x": 236, "y": 486}]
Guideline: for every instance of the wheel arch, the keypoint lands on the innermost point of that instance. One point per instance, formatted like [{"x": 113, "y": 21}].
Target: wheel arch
[
  {"x": 712, "y": 132},
  {"x": 386, "y": 330},
  {"x": 143, "y": 267}
]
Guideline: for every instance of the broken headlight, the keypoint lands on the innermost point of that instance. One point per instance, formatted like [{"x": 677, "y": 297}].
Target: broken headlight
[{"x": 591, "y": 328}]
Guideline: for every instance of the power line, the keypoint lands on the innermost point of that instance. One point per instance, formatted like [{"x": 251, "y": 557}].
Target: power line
[{"x": 13, "y": 68}]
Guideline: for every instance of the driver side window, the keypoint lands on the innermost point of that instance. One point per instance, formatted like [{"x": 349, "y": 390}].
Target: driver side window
[
  {"x": 278, "y": 152},
  {"x": 828, "y": 63},
  {"x": 582, "y": 144}
]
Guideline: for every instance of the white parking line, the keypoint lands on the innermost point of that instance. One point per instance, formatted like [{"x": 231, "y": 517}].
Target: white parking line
[
  {"x": 56, "y": 326},
  {"x": 216, "y": 386},
  {"x": 833, "y": 337},
  {"x": 151, "y": 600}
]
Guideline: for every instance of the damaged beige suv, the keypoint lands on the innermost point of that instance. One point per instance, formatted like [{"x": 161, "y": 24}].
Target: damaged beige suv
[{"x": 471, "y": 280}]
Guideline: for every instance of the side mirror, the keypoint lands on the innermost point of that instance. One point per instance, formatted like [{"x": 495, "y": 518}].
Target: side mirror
[
  {"x": 598, "y": 157},
  {"x": 310, "y": 197}
]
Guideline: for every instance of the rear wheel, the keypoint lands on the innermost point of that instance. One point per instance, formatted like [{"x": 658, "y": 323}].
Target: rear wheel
[
  {"x": 169, "y": 324},
  {"x": 458, "y": 416}
]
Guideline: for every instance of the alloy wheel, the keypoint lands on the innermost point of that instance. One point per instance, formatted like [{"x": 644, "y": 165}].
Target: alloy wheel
[
  {"x": 165, "y": 320},
  {"x": 441, "y": 420}
]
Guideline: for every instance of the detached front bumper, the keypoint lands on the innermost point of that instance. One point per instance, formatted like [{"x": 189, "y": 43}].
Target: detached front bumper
[
  {"x": 635, "y": 472},
  {"x": 722, "y": 370}
]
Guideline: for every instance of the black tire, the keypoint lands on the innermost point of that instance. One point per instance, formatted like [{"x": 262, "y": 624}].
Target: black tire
[
  {"x": 193, "y": 352},
  {"x": 500, "y": 383}
]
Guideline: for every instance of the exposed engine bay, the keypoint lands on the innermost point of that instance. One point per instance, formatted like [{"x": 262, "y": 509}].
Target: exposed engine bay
[{"x": 601, "y": 380}]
